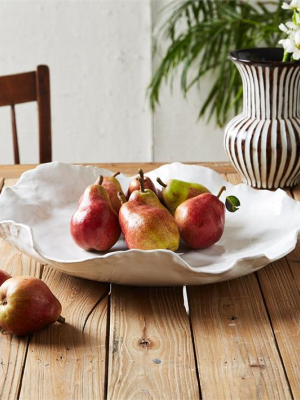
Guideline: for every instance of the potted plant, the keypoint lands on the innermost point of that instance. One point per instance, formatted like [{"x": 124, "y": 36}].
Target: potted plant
[{"x": 264, "y": 141}]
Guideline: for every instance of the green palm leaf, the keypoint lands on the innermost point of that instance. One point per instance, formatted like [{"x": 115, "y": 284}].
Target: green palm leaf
[{"x": 201, "y": 34}]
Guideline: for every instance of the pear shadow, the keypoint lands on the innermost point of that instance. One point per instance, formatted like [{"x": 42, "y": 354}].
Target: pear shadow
[{"x": 66, "y": 336}]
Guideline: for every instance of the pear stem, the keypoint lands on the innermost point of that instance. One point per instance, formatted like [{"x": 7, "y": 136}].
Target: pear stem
[
  {"x": 142, "y": 183},
  {"x": 221, "y": 191},
  {"x": 121, "y": 197},
  {"x": 61, "y": 319},
  {"x": 99, "y": 180},
  {"x": 161, "y": 182},
  {"x": 141, "y": 172},
  {"x": 116, "y": 174}
]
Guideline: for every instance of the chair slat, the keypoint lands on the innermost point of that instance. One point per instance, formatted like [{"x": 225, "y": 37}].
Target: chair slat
[
  {"x": 15, "y": 135},
  {"x": 44, "y": 111},
  {"x": 24, "y": 88},
  {"x": 18, "y": 88}
]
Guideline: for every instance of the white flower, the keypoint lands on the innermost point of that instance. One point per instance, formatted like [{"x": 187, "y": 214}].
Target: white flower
[
  {"x": 288, "y": 27},
  {"x": 294, "y": 5},
  {"x": 292, "y": 44}
]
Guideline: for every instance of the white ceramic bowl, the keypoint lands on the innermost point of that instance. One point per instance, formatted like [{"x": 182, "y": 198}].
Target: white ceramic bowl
[{"x": 35, "y": 217}]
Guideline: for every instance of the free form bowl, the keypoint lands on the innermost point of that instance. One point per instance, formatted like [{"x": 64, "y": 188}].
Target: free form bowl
[{"x": 35, "y": 218}]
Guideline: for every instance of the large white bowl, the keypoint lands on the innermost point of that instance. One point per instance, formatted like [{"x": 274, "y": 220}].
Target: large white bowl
[{"x": 35, "y": 217}]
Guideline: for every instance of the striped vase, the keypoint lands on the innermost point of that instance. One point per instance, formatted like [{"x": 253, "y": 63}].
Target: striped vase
[{"x": 263, "y": 142}]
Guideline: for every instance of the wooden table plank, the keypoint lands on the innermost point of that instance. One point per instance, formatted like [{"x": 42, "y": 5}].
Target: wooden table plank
[
  {"x": 236, "y": 352},
  {"x": 15, "y": 171},
  {"x": 13, "y": 349},
  {"x": 67, "y": 361},
  {"x": 281, "y": 296},
  {"x": 293, "y": 260},
  {"x": 283, "y": 302},
  {"x": 294, "y": 257},
  {"x": 150, "y": 351}
]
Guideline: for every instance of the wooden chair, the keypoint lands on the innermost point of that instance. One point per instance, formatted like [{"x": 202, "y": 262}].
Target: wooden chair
[{"x": 27, "y": 87}]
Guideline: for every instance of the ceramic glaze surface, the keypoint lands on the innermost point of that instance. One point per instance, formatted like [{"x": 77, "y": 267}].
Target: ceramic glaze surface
[
  {"x": 35, "y": 217},
  {"x": 263, "y": 142}
]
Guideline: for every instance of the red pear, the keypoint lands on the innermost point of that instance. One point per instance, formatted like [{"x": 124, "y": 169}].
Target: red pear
[
  {"x": 27, "y": 305},
  {"x": 112, "y": 186},
  {"x": 201, "y": 220},
  {"x": 95, "y": 224},
  {"x": 135, "y": 183},
  {"x": 4, "y": 276}
]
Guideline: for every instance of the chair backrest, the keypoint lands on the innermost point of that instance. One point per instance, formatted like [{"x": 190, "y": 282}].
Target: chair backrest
[{"x": 27, "y": 87}]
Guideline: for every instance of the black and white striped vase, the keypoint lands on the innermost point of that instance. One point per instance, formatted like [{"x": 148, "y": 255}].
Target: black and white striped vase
[{"x": 263, "y": 142}]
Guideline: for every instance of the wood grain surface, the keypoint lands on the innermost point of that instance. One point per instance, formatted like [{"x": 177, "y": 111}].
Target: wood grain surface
[
  {"x": 67, "y": 360},
  {"x": 283, "y": 303},
  {"x": 13, "y": 349},
  {"x": 150, "y": 349},
  {"x": 235, "y": 347}
]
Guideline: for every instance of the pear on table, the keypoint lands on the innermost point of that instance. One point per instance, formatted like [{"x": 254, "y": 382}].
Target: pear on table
[
  {"x": 201, "y": 219},
  {"x": 174, "y": 192},
  {"x": 146, "y": 224},
  {"x": 95, "y": 225},
  {"x": 27, "y": 305},
  {"x": 113, "y": 186}
]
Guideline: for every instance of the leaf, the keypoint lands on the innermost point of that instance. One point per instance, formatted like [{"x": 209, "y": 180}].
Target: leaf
[
  {"x": 200, "y": 34},
  {"x": 232, "y": 203}
]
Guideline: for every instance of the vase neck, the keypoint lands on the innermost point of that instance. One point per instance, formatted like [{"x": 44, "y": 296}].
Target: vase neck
[{"x": 270, "y": 93}]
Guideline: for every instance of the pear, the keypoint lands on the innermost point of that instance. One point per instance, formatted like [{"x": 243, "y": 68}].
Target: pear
[
  {"x": 135, "y": 184},
  {"x": 201, "y": 219},
  {"x": 146, "y": 227},
  {"x": 175, "y": 192},
  {"x": 146, "y": 196},
  {"x": 4, "y": 276},
  {"x": 27, "y": 305},
  {"x": 112, "y": 186},
  {"x": 95, "y": 225}
]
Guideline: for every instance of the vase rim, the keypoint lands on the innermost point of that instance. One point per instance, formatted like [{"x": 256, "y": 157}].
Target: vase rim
[{"x": 264, "y": 56}]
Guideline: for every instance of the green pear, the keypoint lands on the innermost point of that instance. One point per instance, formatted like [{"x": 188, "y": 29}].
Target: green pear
[{"x": 175, "y": 192}]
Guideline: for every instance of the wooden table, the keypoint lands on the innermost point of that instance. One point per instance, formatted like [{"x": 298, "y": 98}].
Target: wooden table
[{"x": 241, "y": 339}]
